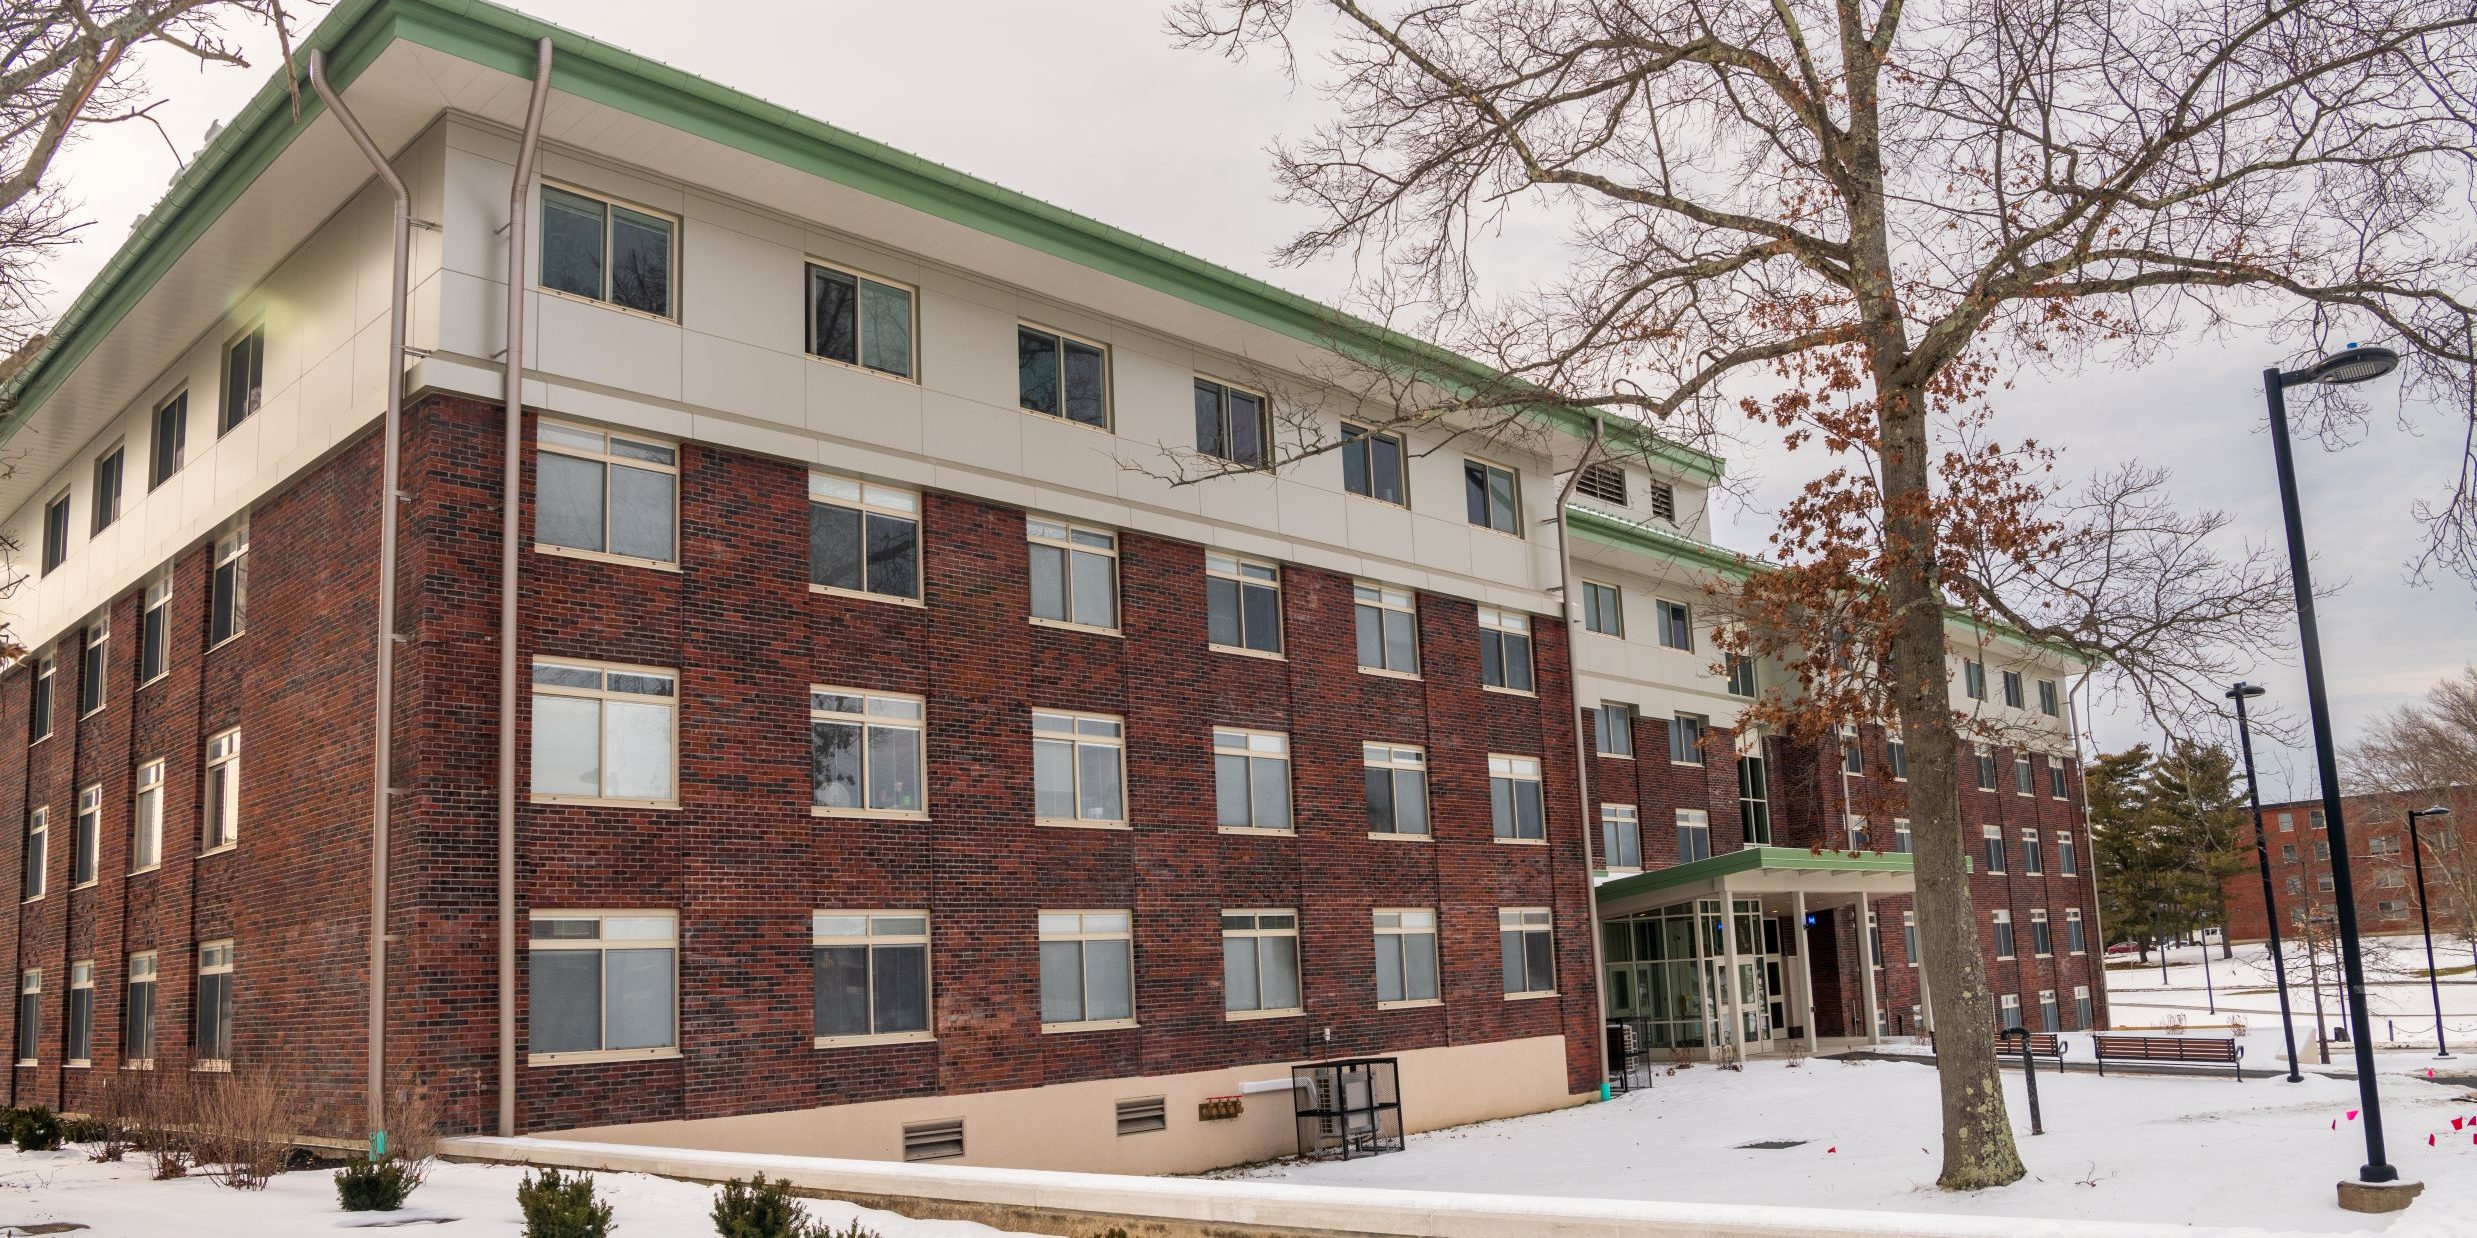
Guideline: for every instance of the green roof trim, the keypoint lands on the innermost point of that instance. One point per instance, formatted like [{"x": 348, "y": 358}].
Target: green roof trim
[
  {"x": 357, "y": 30},
  {"x": 1593, "y": 525},
  {"x": 1755, "y": 859}
]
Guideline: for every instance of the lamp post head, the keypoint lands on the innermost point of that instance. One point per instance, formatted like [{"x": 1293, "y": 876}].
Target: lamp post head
[
  {"x": 2245, "y": 691},
  {"x": 2436, "y": 811},
  {"x": 2357, "y": 363}
]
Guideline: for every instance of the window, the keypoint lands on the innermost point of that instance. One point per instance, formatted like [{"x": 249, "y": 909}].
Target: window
[
  {"x": 211, "y": 1037},
  {"x": 2391, "y": 908},
  {"x": 872, "y": 975},
  {"x": 245, "y": 377},
  {"x": 155, "y": 631},
  {"x": 863, "y": 538},
  {"x": 2074, "y": 942},
  {"x": 2322, "y": 882},
  {"x": 1686, "y": 739},
  {"x": 29, "y": 1015},
  {"x": 1259, "y": 962},
  {"x": 2031, "y": 861},
  {"x": 1372, "y": 465},
  {"x": 1388, "y": 621},
  {"x": 1896, "y": 757},
  {"x": 40, "y": 709},
  {"x": 1061, "y": 376},
  {"x": 2042, "y": 938},
  {"x": 38, "y": 853},
  {"x": 1612, "y": 729},
  {"x": 1663, "y": 500},
  {"x": 1900, "y": 836},
  {"x": 137, "y": 1016},
  {"x": 2012, "y": 689},
  {"x": 1242, "y": 604},
  {"x": 2003, "y": 934},
  {"x": 2081, "y": 1006},
  {"x": 865, "y": 754},
  {"x": 1078, "y": 769},
  {"x": 2315, "y": 817},
  {"x": 1251, "y": 780},
  {"x": 146, "y": 824},
  {"x": 221, "y": 817},
  {"x": 2047, "y": 1011},
  {"x": 2322, "y": 849},
  {"x": 1405, "y": 956},
  {"x": 1490, "y": 495},
  {"x": 1994, "y": 839},
  {"x": 600, "y": 250},
  {"x": 604, "y": 733},
  {"x": 2066, "y": 862},
  {"x": 2387, "y": 845},
  {"x": 1857, "y": 832},
  {"x": 1694, "y": 835},
  {"x": 2389, "y": 881},
  {"x": 86, "y": 837},
  {"x": 2047, "y": 697},
  {"x": 859, "y": 321},
  {"x": 1676, "y": 624},
  {"x": 1754, "y": 799},
  {"x": 2021, "y": 775},
  {"x": 1875, "y": 950},
  {"x": 1621, "y": 837},
  {"x": 2287, "y": 853},
  {"x": 603, "y": 984},
  {"x": 1853, "y": 761},
  {"x": 1397, "y": 778},
  {"x": 1087, "y": 969},
  {"x": 2056, "y": 777},
  {"x": 1074, "y": 573},
  {"x": 1603, "y": 481},
  {"x": 105, "y": 504},
  {"x": 170, "y": 448},
  {"x": 94, "y": 666},
  {"x": 1741, "y": 676},
  {"x": 228, "y": 610},
  {"x": 2287, "y": 822},
  {"x": 1528, "y": 945},
  {"x": 81, "y": 1051},
  {"x": 1986, "y": 769},
  {"x": 55, "y": 532},
  {"x": 1604, "y": 609},
  {"x": 1230, "y": 424},
  {"x": 1909, "y": 937},
  {"x": 1514, "y": 798},
  {"x": 606, "y": 493},
  {"x": 2296, "y": 885},
  {"x": 1974, "y": 679},
  {"x": 1504, "y": 649}
]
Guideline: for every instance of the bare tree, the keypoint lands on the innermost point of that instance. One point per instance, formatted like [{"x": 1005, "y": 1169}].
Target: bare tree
[
  {"x": 1848, "y": 224},
  {"x": 2425, "y": 756}
]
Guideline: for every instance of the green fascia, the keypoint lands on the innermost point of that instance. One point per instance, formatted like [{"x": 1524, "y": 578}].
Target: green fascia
[
  {"x": 485, "y": 34},
  {"x": 1755, "y": 859}
]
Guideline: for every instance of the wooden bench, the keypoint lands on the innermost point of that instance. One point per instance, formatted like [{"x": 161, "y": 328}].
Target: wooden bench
[
  {"x": 2179, "y": 1050},
  {"x": 2042, "y": 1044}
]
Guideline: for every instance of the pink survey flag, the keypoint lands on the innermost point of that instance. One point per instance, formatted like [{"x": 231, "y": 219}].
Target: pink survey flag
[{"x": 2352, "y": 1115}]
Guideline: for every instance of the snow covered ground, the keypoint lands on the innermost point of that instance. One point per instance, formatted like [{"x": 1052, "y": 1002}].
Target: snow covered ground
[
  {"x": 465, "y": 1201},
  {"x": 2396, "y": 997}
]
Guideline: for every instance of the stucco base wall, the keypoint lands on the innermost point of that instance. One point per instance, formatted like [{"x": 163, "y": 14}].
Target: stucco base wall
[{"x": 1073, "y": 1126}]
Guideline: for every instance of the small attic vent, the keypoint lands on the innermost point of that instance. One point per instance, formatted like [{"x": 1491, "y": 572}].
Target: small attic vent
[{"x": 933, "y": 1141}]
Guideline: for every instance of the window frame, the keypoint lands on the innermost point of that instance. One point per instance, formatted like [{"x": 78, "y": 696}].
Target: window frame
[
  {"x": 1673, "y": 624},
  {"x": 1084, "y": 934},
  {"x": 143, "y": 967},
  {"x": 2059, "y": 778},
  {"x": 1896, "y": 756},
  {"x": 29, "y": 1025},
  {"x": 811, "y": 264},
  {"x": 601, "y": 944},
  {"x": 223, "y": 820},
  {"x": 1076, "y": 739},
  {"x": 2008, "y": 1011},
  {"x": 610, "y": 204},
  {"x": 111, "y": 485},
  {"x": 1258, "y": 932},
  {"x": 1679, "y": 725},
  {"x": 86, "y": 838},
  {"x": 56, "y": 531},
  {"x": 867, "y": 509},
  {"x": 1402, "y": 927},
  {"x": 1515, "y": 771},
  {"x": 2024, "y": 782},
  {"x": 35, "y": 854},
  {"x": 602, "y": 739},
  {"x": 1614, "y": 742},
  {"x": 155, "y": 629},
  {"x": 869, "y": 940},
  {"x": 1615, "y": 821},
  {"x": 254, "y": 337},
  {"x": 1694, "y": 823},
  {"x": 145, "y": 823},
  {"x": 167, "y": 446},
  {"x": 1748, "y": 803},
  {"x": 1992, "y": 848},
  {"x": 1362, "y": 437},
  {"x": 1528, "y": 922},
  {"x": 1241, "y": 571},
  {"x": 1386, "y": 600},
  {"x": 215, "y": 958},
  {"x": 1399, "y": 759},
  {"x": 2042, "y": 935},
  {"x": 1974, "y": 679},
  {"x": 2005, "y": 944},
  {"x": 1985, "y": 760},
  {"x": 231, "y": 549},
  {"x": 2076, "y": 939},
  {"x": 1064, "y": 542},
  {"x": 2016, "y": 694},
  {"x": 79, "y": 1025},
  {"x": 869, "y": 723},
  {"x": 1264, "y": 421},
  {"x": 1059, "y": 339},
  {"x": 2068, "y": 864},
  {"x": 1242, "y": 743},
  {"x": 1499, "y": 627},
  {"x": 606, "y": 459},
  {"x": 1737, "y": 667},
  {"x": 1488, "y": 470},
  {"x": 42, "y": 699},
  {"x": 1604, "y": 601},
  {"x": 2048, "y": 703},
  {"x": 1903, "y": 842},
  {"x": 94, "y": 669},
  {"x": 1909, "y": 937},
  {"x": 2033, "y": 857}
]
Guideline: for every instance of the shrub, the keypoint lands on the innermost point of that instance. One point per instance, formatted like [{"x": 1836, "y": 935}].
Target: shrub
[
  {"x": 560, "y": 1205},
  {"x": 761, "y": 1209},
  {"x": 853, "y": 1230},
  {"x": 373, "y": 1186},
  {"x": 244, "y": 1127},
  {"x": 157, "y": 1111},
  {"x": 83, "y": 1130},
  {"x": 35, "y": 1130}
]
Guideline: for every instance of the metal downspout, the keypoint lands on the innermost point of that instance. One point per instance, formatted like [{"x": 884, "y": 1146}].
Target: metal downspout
[
  {"x": 511, "y": 494},
  {"x": 1582, "y": 749},
  {"x": 2096, "y": 928},
  {"x": 382, "y": 740}
]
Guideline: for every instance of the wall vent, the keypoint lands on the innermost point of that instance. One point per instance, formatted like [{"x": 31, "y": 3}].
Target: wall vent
[
  {"x": 1150, "y": 1113},
  {"x": 933, "y": 1141}
]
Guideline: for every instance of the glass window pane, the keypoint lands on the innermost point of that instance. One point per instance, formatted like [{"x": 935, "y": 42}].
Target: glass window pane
[
  {"x": 1246, "y": 439},
  {"x": 834, "y": 316},
  {"x": 1111, "y": 978},
  {"x": 640, "y": 751},
  {"x": 642, "y": 507},
  {"x": 1371, "y": 637},
  {"x": 1410, "y": 797},
  {"x": 1475, "y": 492},
  {"x": 1517, "y": 662},
  {"x": 1062, "y": 982},
  {"x": 1053, "y": 779},
  {"x": 902, "y": 976},
  {"x": 1501, "y": 516},
  {"x": 1230, "y": 790},
  {"x": 637, "y": 995},
  {"x": 1355, "y": 475},
  {"x": 1509, "y": 946},
  {"x": 567, "y": 507},
  {"x": 1086, "y": 384},
  {"x": 842, "y": 991},
  {"x": 1049, "y": 582},
  {"x": 1527, "y": 809},
  {"x": 566, "y": 1001},
  {"x": 894, "y": 556},
  {"x": 1036, "y": 370},
  {"x": 1239, "y": 981},
  {"x": 1401, "y": 645},
  {"x": 1221, "y": 611},
  {"x": 1538, "y": 955},
  {"x": 1389, "y": 967},
  {"x": 834, "y": 764},
  {"x": 1492, "y": 659},
  {"x": 1278, "y": 959},
  {"x": 1100, "y": 800},
  {"x": 640, "y": 261},
  {"x": 1270, "y": 781},
  {"x": 571, "y": 243},
  {"x": 1264, "y": 628},
  {"x": 886, "y": 336},
  {"x": 1096, "y": 588},
  {"x": 1208, "y": 437},
  {"x": 894, "y": 769},
  {"x": 567, "y": 746},
  {"x": 1501, "y": 806},
  {"x": 1380, "y": 800},
  {"x": 1387, "y": 468},
  {"x": 833, "y": 546}
]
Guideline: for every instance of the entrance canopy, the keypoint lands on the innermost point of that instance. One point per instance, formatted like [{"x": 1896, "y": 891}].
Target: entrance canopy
[{"x": 1827, "y": 878}]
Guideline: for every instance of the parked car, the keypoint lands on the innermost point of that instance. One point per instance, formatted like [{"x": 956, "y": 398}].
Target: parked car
[{"x": 2124, "y": 947}]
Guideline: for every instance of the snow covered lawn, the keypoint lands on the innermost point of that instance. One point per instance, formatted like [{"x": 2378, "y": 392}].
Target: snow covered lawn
[
  {"x": 479, "y": 1201},
  {"x": 2205, "y": 1150},
  {"x": 2397, "y": 998}
]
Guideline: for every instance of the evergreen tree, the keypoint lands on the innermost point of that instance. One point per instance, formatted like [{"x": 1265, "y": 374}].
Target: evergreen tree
[{"x": 2205, "y": 827}]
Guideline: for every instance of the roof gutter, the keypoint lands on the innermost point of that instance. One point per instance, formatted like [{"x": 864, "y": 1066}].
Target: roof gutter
[
  {"x": 391, "y": 495},
  {"x": 511, "y": 496}
]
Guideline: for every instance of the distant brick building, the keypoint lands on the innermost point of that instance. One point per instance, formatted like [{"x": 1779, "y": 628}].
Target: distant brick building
[{"x": 2382, "y": 871}]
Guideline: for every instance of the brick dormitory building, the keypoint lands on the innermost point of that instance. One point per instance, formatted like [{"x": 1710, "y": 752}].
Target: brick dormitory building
[
  {"x": 897, "y": 770},
  {"x": 2380, "y": 865}
]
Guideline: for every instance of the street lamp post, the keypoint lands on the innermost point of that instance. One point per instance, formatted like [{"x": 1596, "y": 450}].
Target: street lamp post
[
  {"x": 2210, "y": 990},
  {"x": 2353, "y": 365},
  {"x": 2433, "y": 983},
  {"x": 2241, "y": 693}
]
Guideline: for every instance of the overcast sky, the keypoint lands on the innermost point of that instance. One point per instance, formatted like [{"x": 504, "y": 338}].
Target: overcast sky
[{"x": 1087, "y": 104}]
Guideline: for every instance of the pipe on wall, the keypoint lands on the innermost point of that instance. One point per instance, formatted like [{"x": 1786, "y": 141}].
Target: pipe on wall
[
  {"x": 511, "y": 492},
  {"x": 382, "y": 738},
  {"x": 1582, "y": 747}
]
